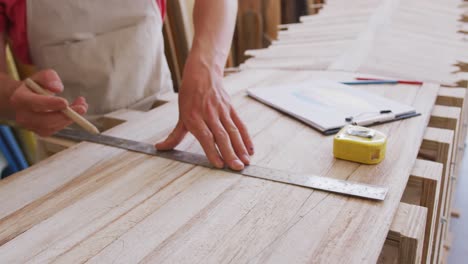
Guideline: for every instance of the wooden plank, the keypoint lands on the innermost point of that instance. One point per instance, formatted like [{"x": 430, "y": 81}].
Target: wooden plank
[
  {"x": 451, "y": 96},
  {"x": 249, "y": 28},
  {"x": 423, "y": 189},
  {"x": 101, "y": 208},
  {"x": 179, "y": 24},
  {"x": 437, "y": 146},
  {"x": 172, "y": 55},
  {"x": 406, "y": 234},
  {"x": 448, "y": 118},
  {"x": 272, "y": 17},
  {"x": 455, "y": 97},
  {"x": 375, "y": 37}
]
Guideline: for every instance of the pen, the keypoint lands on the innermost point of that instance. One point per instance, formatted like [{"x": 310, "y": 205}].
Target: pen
[
  {"x": 375, "y": 120},
  {"x": 397, "y": 81},
  {"x": 360, "y": 82}
]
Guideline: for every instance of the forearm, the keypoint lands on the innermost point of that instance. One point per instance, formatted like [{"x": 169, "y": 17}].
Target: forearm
[
  {"x": 205, "y": 109},
  {"x": 214, "y": 22}
]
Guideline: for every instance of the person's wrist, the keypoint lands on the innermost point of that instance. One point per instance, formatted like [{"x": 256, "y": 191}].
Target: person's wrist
[
  {"x": 200, "y": 75},
  {"x": 210, "y": 60}
]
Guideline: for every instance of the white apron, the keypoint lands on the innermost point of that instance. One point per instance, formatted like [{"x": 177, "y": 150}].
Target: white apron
[{"x": 109, "y": 51}]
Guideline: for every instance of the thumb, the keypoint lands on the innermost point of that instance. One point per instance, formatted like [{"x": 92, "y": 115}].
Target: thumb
[
  {"x": 50, "y": 80},
  {"x": 176, "y": 136}
]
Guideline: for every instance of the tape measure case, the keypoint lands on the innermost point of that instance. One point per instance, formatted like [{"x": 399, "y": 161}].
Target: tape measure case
[{"x": 360, "y": 144}]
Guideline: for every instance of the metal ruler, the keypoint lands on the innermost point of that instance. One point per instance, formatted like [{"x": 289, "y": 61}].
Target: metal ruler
[{"x": 304, "y": 180}]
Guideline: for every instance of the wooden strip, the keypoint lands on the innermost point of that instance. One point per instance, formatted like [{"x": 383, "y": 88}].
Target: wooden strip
[
  {"x": 448, "y": 118},
  {"x": 456, "y": 97},
  {"x": 438, "y": 143},
  {"x": 423, "y": 189},
  {"x": 406, "y": 234}
]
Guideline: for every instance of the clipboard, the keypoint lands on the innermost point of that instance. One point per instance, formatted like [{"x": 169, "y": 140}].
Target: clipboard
[{"x": 327, "y": 105}]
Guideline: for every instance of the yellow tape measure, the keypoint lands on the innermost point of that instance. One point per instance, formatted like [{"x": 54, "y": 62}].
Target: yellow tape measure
[{"x": 360, "y": 144}]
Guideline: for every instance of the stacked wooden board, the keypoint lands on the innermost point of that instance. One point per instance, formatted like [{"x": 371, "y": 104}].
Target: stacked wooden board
[
  {"x": 97, "y": 204},
  {"x": 415, "y": 39}
]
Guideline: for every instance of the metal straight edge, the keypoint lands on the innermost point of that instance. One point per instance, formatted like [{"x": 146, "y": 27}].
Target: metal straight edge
[{"x": 367, "y": 191}]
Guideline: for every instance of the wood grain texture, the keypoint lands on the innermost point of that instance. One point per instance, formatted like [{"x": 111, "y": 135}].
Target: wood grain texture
[
  {"x": 447, "y": 117},
  {"x": 455, "y": 97},
  {"x": 406, "y": 234},
  {"x": 109, "y": 205},
  {"x": 438, "y": 142},
  {"x": 423, "y": 189}
]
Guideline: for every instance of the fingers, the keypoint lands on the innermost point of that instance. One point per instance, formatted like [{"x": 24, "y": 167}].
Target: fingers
[
  {"x": 49, "y": 80},
  {"x": 223, "y": 141},
  {"x": 48, "y": 123},
  {"x": 203, "y": 134},
  {"x": 43, "y": 114},
  {"x": 80, "y": 105},
  {"x": 247, "y": 140},
  {"x": 236, "y": 139},
  {"x": 176, "y": 136},
  {"x": 44, "y": 124},
  {"x": 25, "y": 99}
]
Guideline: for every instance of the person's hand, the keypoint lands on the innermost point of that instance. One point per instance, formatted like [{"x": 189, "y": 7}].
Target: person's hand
[
  {"x": 205, "y": 111},
  {"x": 42, "y": 114}
]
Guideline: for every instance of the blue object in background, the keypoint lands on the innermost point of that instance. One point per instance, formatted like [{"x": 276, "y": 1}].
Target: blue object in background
[
  {"x": 11, "y": 164},
  {"x": 11, "y": 151}
]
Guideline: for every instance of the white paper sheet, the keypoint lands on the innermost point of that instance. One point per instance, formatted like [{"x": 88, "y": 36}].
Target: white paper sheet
[{"x": 325, "y": 104}]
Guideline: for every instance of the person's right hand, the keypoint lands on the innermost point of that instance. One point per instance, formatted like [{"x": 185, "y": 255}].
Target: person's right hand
[{"x": 42, "y": 114}]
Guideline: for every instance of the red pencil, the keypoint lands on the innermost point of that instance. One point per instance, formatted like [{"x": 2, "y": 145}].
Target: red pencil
[{"x": 399, "y": 81}]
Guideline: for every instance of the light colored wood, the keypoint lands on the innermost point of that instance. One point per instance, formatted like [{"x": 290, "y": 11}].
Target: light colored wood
[
  {"x": 116, "y": 206},
  {"x": 272, "y": 16},
  {"x": 455, "y": 97},
  {"x": 449, "y": 118},
  {"x": 423, "y": 189},
  {"x": 390, "y": 38},
  {"x": 406, "y": 234},
  {"x": 438, "y": 144},
  {"x": 451, "y": 96},
  {"x": 374, "y": 37}
]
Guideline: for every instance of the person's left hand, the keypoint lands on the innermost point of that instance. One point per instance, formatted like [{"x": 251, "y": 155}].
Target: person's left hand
[{"x": 205, "y": 110}]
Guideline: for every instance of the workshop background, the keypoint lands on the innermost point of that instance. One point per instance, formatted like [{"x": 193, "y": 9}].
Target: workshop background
[{"x": 257, "y": 27}]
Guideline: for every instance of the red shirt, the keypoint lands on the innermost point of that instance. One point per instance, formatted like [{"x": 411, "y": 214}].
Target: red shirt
[{"x": 13, "y": 22}]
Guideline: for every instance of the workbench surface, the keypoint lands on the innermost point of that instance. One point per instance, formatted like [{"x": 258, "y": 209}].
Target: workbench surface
[{"x": 106, "y": 205}]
